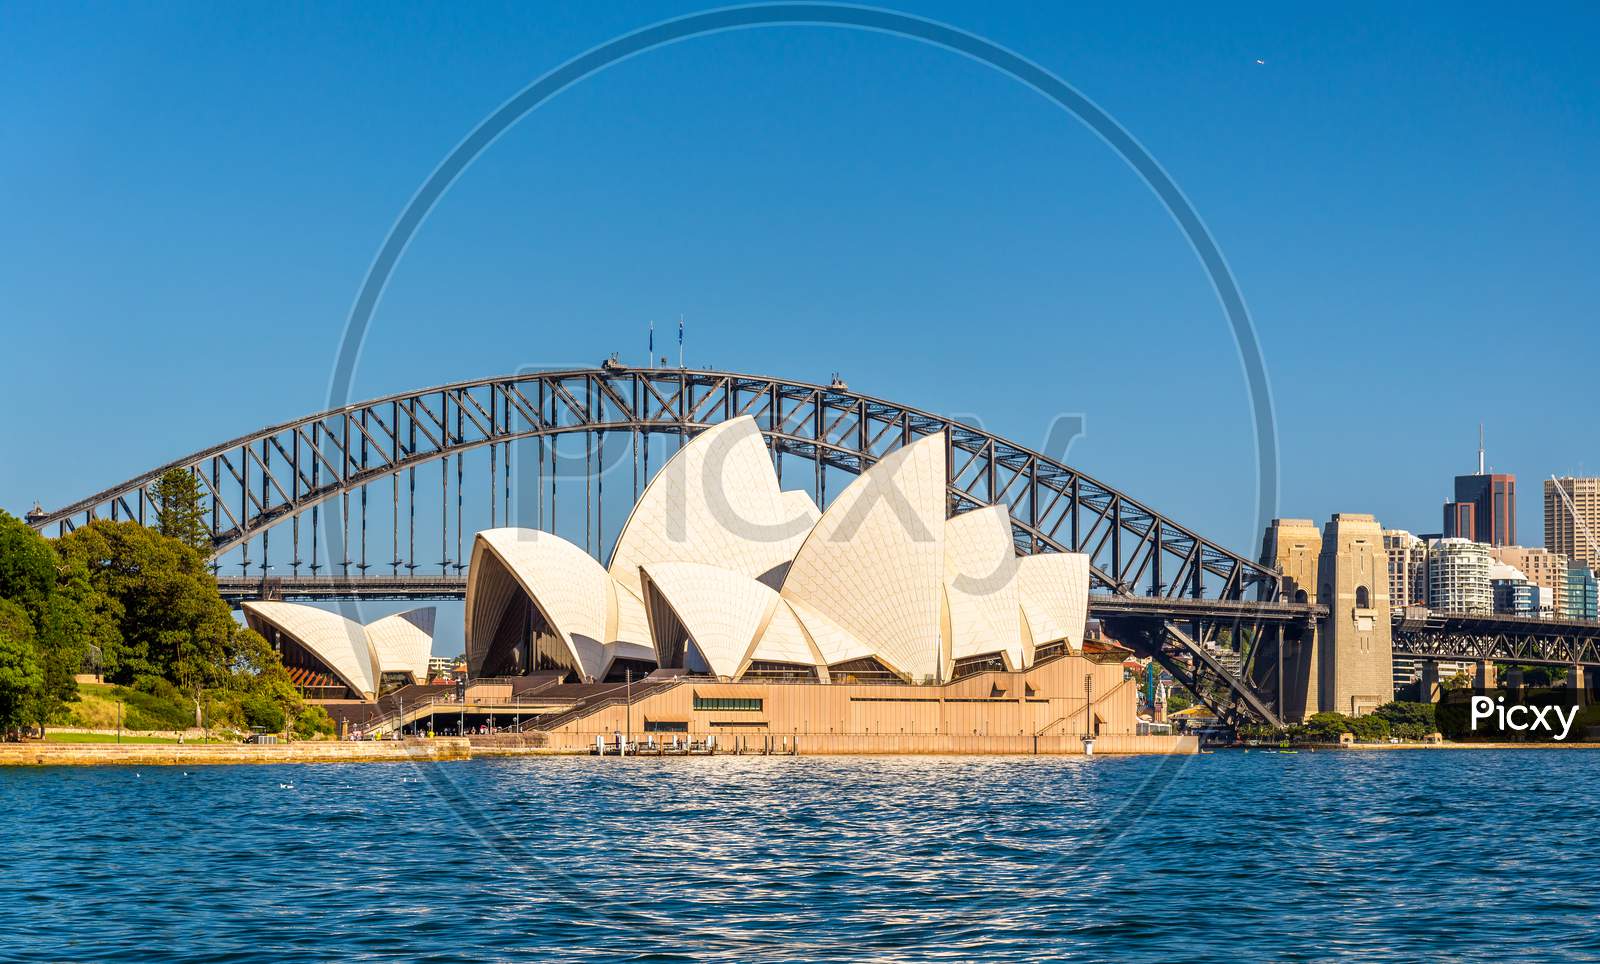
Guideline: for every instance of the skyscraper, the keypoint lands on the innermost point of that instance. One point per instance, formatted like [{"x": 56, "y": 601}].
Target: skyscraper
[
  {"x": 1492, "y": 519},
  {"x": 1572, "y": 519},
  {"x": 1461, "y": 519}
]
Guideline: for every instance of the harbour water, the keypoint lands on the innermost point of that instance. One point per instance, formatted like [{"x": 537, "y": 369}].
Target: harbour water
[{"x": 1419, "y": 855}]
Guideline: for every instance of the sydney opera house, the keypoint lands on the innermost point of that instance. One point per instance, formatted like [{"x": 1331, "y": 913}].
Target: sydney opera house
[
  {"x": 720, "y": 573},
  {"x": 732, "y": 607}
]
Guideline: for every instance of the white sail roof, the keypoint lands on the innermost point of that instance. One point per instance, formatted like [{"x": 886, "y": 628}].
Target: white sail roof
[
  {"x": 784, "y": 640},
  {"x": 569, "y": 588},
  {"x": 341, "y": 644},
  {"x": 834, "y": 643},
  {"x": 874, "y": 562},
  {"x": 980, "y": 572},
  {"x": 715, "y": 502},
  {"x": 722, "y": 611},
  {"x": 1054, "y": 592},
  {"x": 631, "y": 626},
  {"x": 403, "y": 642}
]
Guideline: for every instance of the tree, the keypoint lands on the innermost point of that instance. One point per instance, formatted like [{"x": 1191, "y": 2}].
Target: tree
[
  {"x": 20, "y": 679},
  {"x": 181, "y": 510},
  {"x": 1461, "y": 681},
  {"x": 1370, "y": 728},
  {"x": 27, "y": 566},
  {"x": 313, "y": 722},
  {"x": 66, "y": 616},
  {"x": 1407, "y": 714},
  {"x": 169, "y": 619},
  {"x": 1326, "y": 727}
]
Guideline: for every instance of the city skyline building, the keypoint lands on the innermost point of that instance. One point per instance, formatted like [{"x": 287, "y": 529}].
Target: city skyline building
[
  {"x": 1408, "y": 568},
  {"x": 1460, "y": 521},
  {"x": 1572, "y": 518},
  {"x": 1458, "y": 577},
  {"x": 1543, "y": 568},
  {"x": 1583, "y": 598},
  {"x": 1514, "y": 593},
  {"x": 1492, "y": 496}
]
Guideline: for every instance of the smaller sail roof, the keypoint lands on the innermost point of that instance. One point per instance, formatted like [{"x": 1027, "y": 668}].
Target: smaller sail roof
[
  {"x": 980, "y": 572},
  {"x": 1054, "y": 591},
  {"x": 784, "y": 640},
  {"x": 404, "y": 641},
  {"x": 340, "y": 644},
  {"x": 722, "y": 612}
]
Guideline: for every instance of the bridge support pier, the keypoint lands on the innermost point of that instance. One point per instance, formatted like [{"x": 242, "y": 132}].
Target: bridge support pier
[
  {"x": 1348, "y": 666},
  {"x": 1584, "y": 679},
  {"x": 1485, "y": 677},
  {"x": 1428, "y": 681}
]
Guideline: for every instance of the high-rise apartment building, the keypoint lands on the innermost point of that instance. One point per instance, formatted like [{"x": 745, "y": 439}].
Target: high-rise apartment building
[
  {"x": 1543, "y": 568},
  {"x": 1408, "y": 568},
  {"x": 1583, "y": 597},
  {"x": 1572, "y": 519},
  {"x": 1514, "y": 594},
  {"x": 1458, "y": 577}
]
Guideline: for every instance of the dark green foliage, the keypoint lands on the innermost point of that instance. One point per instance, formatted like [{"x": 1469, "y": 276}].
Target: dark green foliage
[
  {"x": 1326, "y": 727},
  {"x": 313, "y": 722},
  {"x": 142, "y": 606},
  {"x": 27, "y": 567},
  {"x": 262, "y": 711},
  {"x": 170, "y": 620},
  {"x": 1392, "y": 719},
  {"x": 62, "y": 619},
  {"x": 20, "y": 677},
  {"x": 1408, "y": 720},
  {"x": 181, "y": 510},
  {"x": 1401, "y": 713},
  {"x": 1370, "y": 728}
]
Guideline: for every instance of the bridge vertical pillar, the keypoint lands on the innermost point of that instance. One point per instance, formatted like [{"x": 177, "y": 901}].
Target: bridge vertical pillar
[
  {"x": 1357, "y": 651},
  {"x": 1428, "y": 680},
  {"x": 1293, "y": 547},
  {"x": 1485, "y": 678}
]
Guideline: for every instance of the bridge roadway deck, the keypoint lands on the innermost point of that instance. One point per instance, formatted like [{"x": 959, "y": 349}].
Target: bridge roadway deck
[{"x": 237, "y": 589}]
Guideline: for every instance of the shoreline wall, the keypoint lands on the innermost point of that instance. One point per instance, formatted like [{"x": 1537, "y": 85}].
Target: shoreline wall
[
  {"x": 38, "y": 753},
  {"x": 457, "y": 748}
]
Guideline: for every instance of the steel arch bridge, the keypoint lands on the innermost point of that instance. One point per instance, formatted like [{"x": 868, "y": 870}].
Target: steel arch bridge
[{"x": 343, "y": 471}]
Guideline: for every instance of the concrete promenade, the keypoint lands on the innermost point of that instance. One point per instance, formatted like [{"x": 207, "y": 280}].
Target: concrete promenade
[{"x": 34, "y": 753}]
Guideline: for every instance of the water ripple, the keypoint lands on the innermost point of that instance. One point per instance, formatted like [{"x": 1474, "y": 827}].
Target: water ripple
[{"x": 1319, "y": 856}]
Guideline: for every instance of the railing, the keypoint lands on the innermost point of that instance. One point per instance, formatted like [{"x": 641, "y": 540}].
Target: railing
[
  {"x": 433, "y": 706},
  {"x": 591, "y": 705}
]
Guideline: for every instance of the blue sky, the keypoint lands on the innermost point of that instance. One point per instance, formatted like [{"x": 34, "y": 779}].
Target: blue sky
[{"x": 190, "y": 195}]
